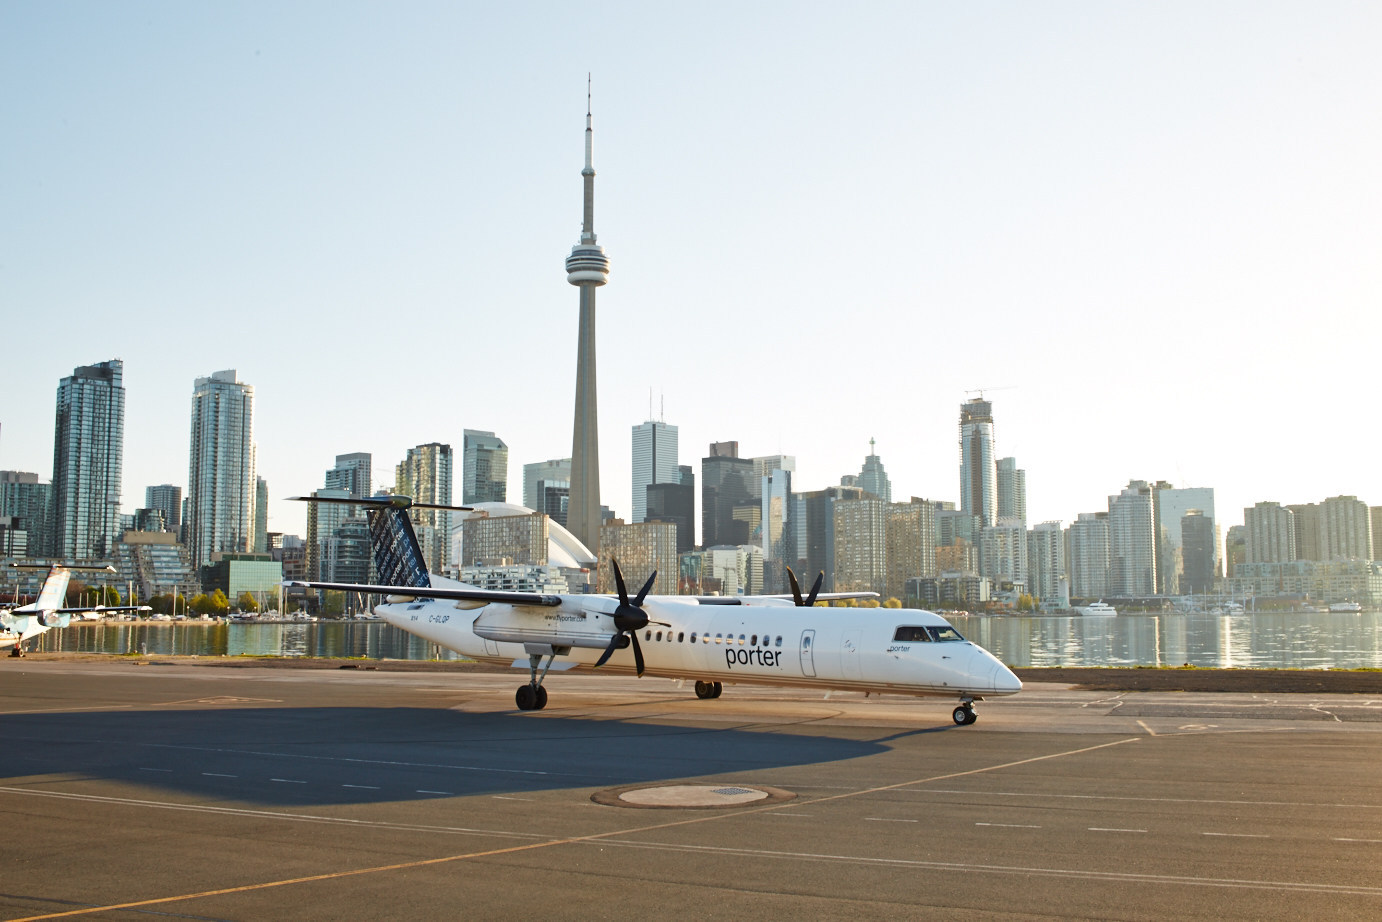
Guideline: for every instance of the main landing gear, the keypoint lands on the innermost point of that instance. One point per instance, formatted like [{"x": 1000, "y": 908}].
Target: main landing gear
[
  {"x": 708, "y": 689},
  {"x": 964, "y": 714},
  {"x": 533, "y": 697}
]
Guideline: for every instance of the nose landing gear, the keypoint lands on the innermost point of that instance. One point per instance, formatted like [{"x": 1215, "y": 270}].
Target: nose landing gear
[{"x": 964, "y": 714}]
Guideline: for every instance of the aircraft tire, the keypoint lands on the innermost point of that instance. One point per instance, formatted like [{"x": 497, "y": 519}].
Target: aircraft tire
[
  {"x": 719, "y": 690},
  {"x": 964, "y": 716},
  {"x": 526, "y": 698},
  {"x": 705, "y": 690},
  {"x": 541, "y": 698}
]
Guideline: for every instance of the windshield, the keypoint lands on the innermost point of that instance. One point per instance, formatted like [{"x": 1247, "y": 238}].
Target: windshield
[
  {"x": 917, "y": 634},
  {"x": 944, "y": 634}
]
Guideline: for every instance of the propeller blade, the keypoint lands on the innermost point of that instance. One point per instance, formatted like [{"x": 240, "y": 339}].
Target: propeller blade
[
  {"x": 609, "y": 651},
  {"x": 643, "y": 593},
  {"x": 619, "y": 582},
  {"x": 637, "y": 653},
  {"x": 811, "y": 599},
  {"x": 796, "y": 588}
]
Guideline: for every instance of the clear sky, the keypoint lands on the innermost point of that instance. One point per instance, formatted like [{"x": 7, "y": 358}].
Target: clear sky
[{"x": 1153, "y": 231}]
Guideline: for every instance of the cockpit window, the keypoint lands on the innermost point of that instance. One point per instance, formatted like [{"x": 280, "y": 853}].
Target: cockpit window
[
  {"x": 909, "y": 634},
  {"x": 944, "y": 634}
]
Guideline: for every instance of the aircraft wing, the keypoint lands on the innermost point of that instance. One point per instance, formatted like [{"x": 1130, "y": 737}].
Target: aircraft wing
[
  {"x": 100, "y": 608},
  {"x": 742, "y": 599},
  {"x": 433, "y": 592}
]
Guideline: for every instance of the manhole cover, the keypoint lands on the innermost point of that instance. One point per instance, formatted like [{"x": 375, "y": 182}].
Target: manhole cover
[{"x": 691, "y": 796}]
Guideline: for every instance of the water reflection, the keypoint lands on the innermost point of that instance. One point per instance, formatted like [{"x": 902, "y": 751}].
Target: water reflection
[{"x": 1295, "y": 641}]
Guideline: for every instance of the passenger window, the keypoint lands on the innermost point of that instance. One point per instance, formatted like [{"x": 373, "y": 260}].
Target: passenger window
[
  {"x": 719, "y": 638},
  {"x": 779, "y": 641},
  {"x": 681, "y": 637},
  {"x": 659, "y": 635},
  {"x": 753, "y": 641},
  {"x": 741, "y": 640},
  {"x": 693, "y": 636}
]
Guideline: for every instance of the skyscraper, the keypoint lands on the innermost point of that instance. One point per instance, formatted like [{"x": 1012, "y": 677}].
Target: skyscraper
[
  {"x": 27, "y": 502},
  {"x": 1171, "y": 506},
  {"x": 220, "y": 470},
  {"x": 168, "y": 498},
  {"x": 725, "y": 481},
  {"x": 654, "y": 461},
  {"x": 540, "y": 478},
  {"x": 1012, "y": 490},
  {"x": 353, "y": 473},
  {"x": 1271, "y": 533},
  {"x": 978, "y": 468},
  {"x": 587, "y": 268},
  {"x": 425, "y": 475},
  {"x": 484, "y": 468},
  {"x": 1088, "y": 549},
  {"x": 88, "y": 452},
  {"x": 1132, "y": 541},
  {"x": 874, "y": 479}
]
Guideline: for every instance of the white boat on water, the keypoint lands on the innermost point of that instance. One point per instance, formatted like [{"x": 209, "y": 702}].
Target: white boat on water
[
  {"x": 1099, "y": 609},
  {"x": 1345, "y": 607}
]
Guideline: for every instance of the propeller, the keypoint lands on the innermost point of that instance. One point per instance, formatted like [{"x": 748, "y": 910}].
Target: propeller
[
  {"x": 796, "y": 589},
  {"x": 629, "y": 618}
]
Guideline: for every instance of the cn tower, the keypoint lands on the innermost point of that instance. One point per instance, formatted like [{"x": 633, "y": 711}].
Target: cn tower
[{"x": 587, "y": 268}]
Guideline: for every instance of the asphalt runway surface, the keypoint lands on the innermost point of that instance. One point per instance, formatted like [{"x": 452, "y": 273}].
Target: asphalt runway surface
[{"x": 190, "y": 792}]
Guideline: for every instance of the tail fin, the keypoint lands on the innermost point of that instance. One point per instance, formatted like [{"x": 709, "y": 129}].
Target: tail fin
[
  {"x": 397, "y": 554},
  {"x": 53, "y": 595}
]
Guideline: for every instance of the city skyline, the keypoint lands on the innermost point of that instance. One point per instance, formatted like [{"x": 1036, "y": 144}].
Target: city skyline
[{"x": 1131, "y": 229}]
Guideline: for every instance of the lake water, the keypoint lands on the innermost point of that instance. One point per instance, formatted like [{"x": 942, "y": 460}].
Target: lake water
[{"x": 1292, "y": 641}]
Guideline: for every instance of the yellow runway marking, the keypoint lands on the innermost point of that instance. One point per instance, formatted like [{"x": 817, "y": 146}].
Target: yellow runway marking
[{"x": 570, "y": 840}]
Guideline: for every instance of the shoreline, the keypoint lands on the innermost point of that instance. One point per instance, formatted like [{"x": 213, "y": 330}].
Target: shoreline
[{"x": 1087, "y": 678}]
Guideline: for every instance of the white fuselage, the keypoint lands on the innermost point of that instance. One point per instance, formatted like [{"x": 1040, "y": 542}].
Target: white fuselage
[{"x": 764, "y": 641}]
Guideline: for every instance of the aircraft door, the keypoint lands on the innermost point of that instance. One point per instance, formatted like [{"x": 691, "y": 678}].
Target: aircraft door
[{"x": 808, "y": 662}]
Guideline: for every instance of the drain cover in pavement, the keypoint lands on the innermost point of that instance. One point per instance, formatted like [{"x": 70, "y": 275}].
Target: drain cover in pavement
[{"x": 692, "y": 796}]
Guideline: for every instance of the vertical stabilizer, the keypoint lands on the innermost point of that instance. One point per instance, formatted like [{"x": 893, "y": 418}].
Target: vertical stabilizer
[
  {"x": 54, "y": 593},
  {"x": 397, "y": 554}
]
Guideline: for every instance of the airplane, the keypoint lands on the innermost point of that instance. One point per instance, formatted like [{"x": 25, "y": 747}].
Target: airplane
[
  {"x": 711, "y": 640},
  {"x": 17, "y": 625}
]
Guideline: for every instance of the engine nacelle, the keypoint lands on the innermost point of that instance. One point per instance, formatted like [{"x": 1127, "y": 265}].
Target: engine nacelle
[{"x": 49, "y": 619}]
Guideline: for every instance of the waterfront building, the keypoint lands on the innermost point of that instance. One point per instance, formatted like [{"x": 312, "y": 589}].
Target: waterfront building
[
  {"x": 641, "y": 548},
  {"x": 27, "y": 503},
  {"x": 88, "y": 453},
  {"x": 155, "y": 564},
  {"x": 221, "y": 486},
  {"x": 1347, "y": 529},
  {"x": 1271, "y": 533},
  {"x": 236, "y": 574},
  {"x": 587, "y": 268},
  {"x": 675, "y": 503},
  {"x": 875, "y": 480},
  {"x": 346, "y": 557},
  {"x": 1307, "y": 525},
  {"x": 978, "y": 466},
  {"x": 1012, "y": 490},
  {"x": 951, "y": 590},
  {"x": 484, "y": 468},
  {"x": 167, "y": 497},
  {"x": 259, "y": 538},
  {"x": 1375, "y": 517},
  {"x": 1170, "y": 506},
  {"x": 1003, "y": 553},
  {"x": 910, "y": 544},
  {"x": 425, "y": 475},
  {"x": 1087, "y": 555},
  {"x": 1046, "y": 574},
  {"x": 1132, "y": 542},
  {"x": 861, "y": 537},
  {"x": 655, "y": 460},
  {"x": 725, "y": 479},
  {"x": 504, "y": 576},
  {"x": 323, "y": 520},
  {"x": 813, "y": 527},
  {"x": 508, "y": 540},
  {"x": 960, "y": 557}
]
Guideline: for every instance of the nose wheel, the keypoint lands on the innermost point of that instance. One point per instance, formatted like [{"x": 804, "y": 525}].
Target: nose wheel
[{"x": 964, "y": 714}]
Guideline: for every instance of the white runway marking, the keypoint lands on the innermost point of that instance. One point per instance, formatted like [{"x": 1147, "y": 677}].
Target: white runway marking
[
  {"x": 1370, "y": 841},
  {"x": 287, "y": 781},
  {"x": 1236, "y": 835},
  {"x": 502, "y": 797},
  {"x": 219, "y": 775},
  {"x": 1112, "y": 829},
  {"x": 445, "y": 793},
  {"x": 366, "y": 787},
  {"x": 1009, "y": 825},
  {"x": 1147, "y": 800},
  {"x": 167, "y": 770},
  {"x": 888, "y": 819}
]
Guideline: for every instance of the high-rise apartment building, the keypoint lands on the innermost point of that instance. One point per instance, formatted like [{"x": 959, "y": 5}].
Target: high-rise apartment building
[
  {"x": 861, "y": 541},
  {"x": 875, "y": 480},
  {"x": 1347, "y": 529},
  {"x": 88, "y": 453},
  {"x": 910, "y": 544},
  {"x": 1087, "y": 555},
  {"x": 1271, "y": 533},
  {"x": 978, "y": 465},
  {"x": 1003, "y": 553},
  {"x": 220, "y": 472},
  {"x": 642, "y": 548},
  {"x": 1132, "y": 541},
  {"x": 27, "y": 503},
  {"x": 259, "y": 538},
  {"x": 353, "y": 473},
  {"x": 1198, "y": 543},
  {"x": 168, "y": 498},
  {"x": 1012, "y": 490},
  {"x": 813, "y": 524},
  {"x": 1046, "y": 578},
  {"x": 655, "y": 460},
  {"x": 484, "y": 468},
  {"x": 425, "y": 475}
]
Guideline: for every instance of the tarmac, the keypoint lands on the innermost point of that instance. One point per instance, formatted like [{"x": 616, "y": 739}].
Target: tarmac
[{"x": 265, "y": 793}]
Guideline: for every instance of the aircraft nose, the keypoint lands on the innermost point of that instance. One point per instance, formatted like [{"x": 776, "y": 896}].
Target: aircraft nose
[{"x": 1005, "y": 682}]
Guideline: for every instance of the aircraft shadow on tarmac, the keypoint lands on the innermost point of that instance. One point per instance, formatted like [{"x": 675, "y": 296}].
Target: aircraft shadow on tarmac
[{"x": 339, "y": 755}]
